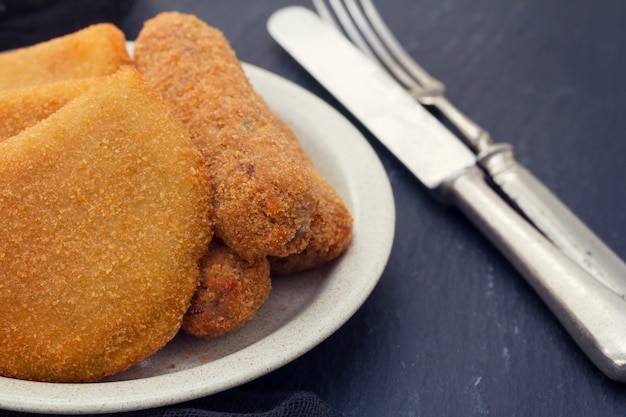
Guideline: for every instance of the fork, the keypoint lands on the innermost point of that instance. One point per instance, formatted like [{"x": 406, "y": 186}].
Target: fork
[{"x": 363, "y": 25}]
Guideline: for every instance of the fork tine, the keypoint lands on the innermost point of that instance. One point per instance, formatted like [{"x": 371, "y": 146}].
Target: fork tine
[
  {"x": 323, "y": 11},
  {"x": 349, "y": 17},
  {"x": 398, "y": 52},
  {"x": 413, "y": 85},
  {"x": 371, "y": 35},
  {"x": 343, "y": 21}
]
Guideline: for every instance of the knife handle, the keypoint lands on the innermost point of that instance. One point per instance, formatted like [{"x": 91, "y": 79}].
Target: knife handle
[
  {"x": 562, "y": 227},
  {"x": 592, "y": 314}
]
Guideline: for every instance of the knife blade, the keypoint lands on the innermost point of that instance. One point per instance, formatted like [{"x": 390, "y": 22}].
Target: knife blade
[
  {"x": 594, "y": 315},
  {"x": 391, "y": 125}
]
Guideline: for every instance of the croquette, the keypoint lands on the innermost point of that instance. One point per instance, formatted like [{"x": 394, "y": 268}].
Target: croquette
[
  {"x": 331, "y": 228},
  {"x": 230, "y": 292},
  {"x": 331, "y": 234},
  {"x": 263, "y": 200}
]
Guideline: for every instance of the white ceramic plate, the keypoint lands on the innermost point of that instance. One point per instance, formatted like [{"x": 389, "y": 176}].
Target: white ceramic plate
[{"x": 302, "y": 310}]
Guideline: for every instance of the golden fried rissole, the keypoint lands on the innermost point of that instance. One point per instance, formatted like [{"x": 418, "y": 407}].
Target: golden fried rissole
[
  {"x": 23, "y": 107},
  {"x": 331, "y": 233},
  {"x": 96, "y": 50},
  {"x": 263, "y": 198},
  {"x": 331, "y": 227},
  {"x": 104, "y": 217},
  {"x": 230, "y": 293}
]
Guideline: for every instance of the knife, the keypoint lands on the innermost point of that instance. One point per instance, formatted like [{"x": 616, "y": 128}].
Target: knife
[
  {"x": 592, "y": 314},
  {"x": 521, "y": 188}
]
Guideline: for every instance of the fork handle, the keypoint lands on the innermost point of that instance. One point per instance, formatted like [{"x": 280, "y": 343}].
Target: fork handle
[
  {"x": 592, "y": 314},
  {"x": 544, "y": 209},
  {"x": 566, "y": 231}
]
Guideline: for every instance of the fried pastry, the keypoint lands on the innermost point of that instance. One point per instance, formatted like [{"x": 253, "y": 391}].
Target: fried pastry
[
  {"x": 96, "y": 50},
  {"x": 24, "y": 107},
  {"x": 104, "y": 216}
]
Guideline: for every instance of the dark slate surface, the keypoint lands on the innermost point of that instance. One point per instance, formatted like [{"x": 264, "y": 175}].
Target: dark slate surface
[{"x": 452, "y": 329}]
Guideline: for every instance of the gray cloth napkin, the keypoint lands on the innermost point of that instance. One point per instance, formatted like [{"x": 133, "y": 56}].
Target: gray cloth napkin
[{"x": 234, "y": 404}]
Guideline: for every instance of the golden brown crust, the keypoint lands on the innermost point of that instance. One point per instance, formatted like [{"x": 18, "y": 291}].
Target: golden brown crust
[
  {"x": 104, "y": 216},
  {"x": 24, "y": 107},
  {"x": 331, "y": 229},
  {"x": 263, "y": 199},
  {"x": 230, "y": 293},
  {"x": 96, "y": 50},
  {"x": 331, "y": 234}
]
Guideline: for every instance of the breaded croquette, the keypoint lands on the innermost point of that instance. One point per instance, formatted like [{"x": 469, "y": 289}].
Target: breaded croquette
[
  {"x": 96, "y": 50},
  {"x": 331, "y": 233},
  {"x": 104, "y": 216},
  {"x": 263, "y": 199},
  {"x": 331, "y": 228},
  {"x": 24, "y": 107},
  {"x": 230, "y": 293}
]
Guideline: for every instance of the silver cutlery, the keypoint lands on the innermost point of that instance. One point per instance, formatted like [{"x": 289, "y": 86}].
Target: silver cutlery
[
  {"x": 593, "y": 314},
  {"x": 362, "y": 23}
]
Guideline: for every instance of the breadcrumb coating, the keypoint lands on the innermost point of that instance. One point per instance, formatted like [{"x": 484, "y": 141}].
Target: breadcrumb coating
[
  {"x": 104, "y": 217},
  {"x": 263, "y": 199},
  {"x": 96, "y": 50},
  {"x": 331, "y": 229},
  {"x": 331, "y": 234},
  {"x": 230, "y": 293},
  {"x": 24, "y": 107}
]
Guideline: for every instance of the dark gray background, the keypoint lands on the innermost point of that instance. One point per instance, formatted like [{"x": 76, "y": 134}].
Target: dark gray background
[{"x": 452, "y": 329}]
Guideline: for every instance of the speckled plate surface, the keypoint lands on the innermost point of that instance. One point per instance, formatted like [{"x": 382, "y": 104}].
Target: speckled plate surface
[{"x": 302, "y": 310}]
